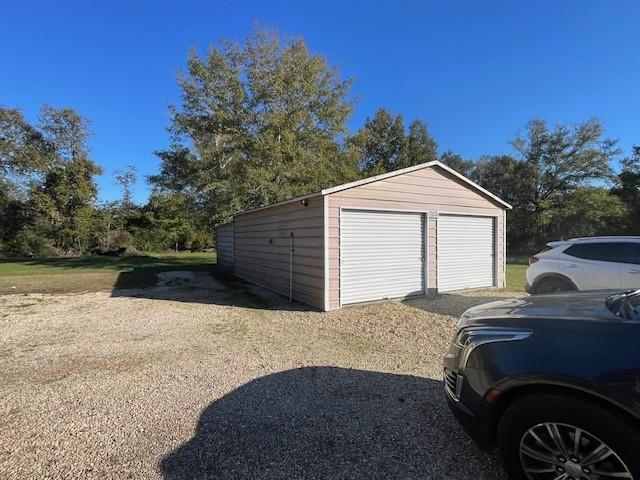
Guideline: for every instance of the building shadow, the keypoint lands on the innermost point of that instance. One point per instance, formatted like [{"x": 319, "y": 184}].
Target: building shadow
[
  {"x": 326, "y": 422},
  {"x": 203, "y": 285},
  {"x": 453, "y": 304}
]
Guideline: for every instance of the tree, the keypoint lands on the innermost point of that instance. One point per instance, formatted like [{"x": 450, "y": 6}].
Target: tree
[
  {"x": 48, "y": 181},
  {"x": 384, "y": 145},
  {"x": 22, "y": 146},
  {"x": 457, "y": 163},
  {"x": 419, "y": 146},
  {"x": 556, "y": 162},
  {"x": 126, "y": 178},
  {"x": 588, "y": 211},
  {"x": 380, "y": 142},
  {"x": 258, "y": 123},
  {"x": 68, "y": 191},
  {"x": 627, "y": 188}
]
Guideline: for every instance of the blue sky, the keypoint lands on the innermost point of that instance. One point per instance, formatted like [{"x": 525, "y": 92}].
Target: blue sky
[{"x": 474, "y": 71}]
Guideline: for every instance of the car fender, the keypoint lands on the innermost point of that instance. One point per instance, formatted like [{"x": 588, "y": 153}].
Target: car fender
[{"x": 498, "y": 398}]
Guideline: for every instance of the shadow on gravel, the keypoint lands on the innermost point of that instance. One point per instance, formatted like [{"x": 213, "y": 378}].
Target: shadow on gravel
[
  {"x": 324, "y": 422},
  {"x": 451, "y": 303},
  {"x": 208, "y": 286}
]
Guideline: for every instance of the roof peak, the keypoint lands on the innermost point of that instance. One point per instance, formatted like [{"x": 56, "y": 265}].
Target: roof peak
[{"x": 376, "y": 178}]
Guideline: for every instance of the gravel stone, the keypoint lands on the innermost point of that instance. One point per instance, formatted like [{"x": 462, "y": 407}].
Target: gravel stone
[{"x": 204, "y": 378}]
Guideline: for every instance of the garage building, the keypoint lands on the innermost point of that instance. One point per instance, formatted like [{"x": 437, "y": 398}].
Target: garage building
[{"x": 416, "y": 231}]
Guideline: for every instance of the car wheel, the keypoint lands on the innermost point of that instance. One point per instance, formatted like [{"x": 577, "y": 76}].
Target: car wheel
[
  {"x": 553, "y": 285},
  {"x": 549, "y": 436}
]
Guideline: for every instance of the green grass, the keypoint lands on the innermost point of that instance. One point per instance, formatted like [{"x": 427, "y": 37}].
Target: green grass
[
  {"x": 515, "y": 276},
  {"x": 81, "y": 274},
  {"x": 91, "y": 274},
  {"x": 95, "y": 264}
]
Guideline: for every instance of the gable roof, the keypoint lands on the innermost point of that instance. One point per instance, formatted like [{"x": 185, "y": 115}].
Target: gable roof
[
  {"x": 435, "y": 163},
  {"x": 365, "y": 181}
]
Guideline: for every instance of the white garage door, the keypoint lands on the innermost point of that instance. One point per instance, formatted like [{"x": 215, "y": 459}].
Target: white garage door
[
  {"x": 381, "y": 255},
  {"x": 465, "y": 252}
]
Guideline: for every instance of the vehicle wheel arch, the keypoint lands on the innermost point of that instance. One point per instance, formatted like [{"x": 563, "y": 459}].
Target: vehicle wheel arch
[
  {"x": 553, "y": 276},
  {"x": 508, "y": 397}
]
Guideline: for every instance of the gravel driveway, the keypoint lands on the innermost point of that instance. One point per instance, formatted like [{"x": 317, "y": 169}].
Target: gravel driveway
[{"x": 200, "y": 378}]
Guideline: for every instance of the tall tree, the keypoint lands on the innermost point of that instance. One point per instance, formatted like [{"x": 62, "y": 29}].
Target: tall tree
[
  {"x": 126, "y": 178},
  {"x": 22, "y": 156},
  {"x": 556, "y": 162},
  {"x": 587, "y": 211},
  {"x": 68, "y": 191},
  {"x": 627, "y": 188},
  {"x": 22, "y": 146},
  {"x": 381, "y": 142},
  {"x": 258, "y": 122},
  {"x": 419, "y": 146},
  {"x": 457, "y": 163},
  {"x": 60, "y": 190}
]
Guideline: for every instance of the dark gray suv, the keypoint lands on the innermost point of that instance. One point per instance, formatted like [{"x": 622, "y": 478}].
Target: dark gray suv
[{"x": 554, "y": 382}]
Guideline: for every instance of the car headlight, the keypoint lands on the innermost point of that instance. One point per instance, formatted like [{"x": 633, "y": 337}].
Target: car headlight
[{"x": 469, "y": 338}]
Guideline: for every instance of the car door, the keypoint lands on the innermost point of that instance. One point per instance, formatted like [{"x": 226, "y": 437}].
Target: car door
[
  {"x": 631, "y": 267},
  {"x": 593, "y": 265}
]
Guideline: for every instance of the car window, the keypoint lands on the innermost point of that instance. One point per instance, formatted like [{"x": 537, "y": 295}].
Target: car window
[
  {"x": 632, "y": 253},
  {"x": 601, "y": 251}
]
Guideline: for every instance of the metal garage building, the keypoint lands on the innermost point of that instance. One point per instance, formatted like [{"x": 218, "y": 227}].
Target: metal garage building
[{"x": 416, "y": 231}]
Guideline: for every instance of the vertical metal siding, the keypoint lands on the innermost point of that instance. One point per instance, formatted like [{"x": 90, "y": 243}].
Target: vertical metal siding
[
  {"x": 263, "y": 249},
  {"x": 382, "y": 255},
  {"x": 224, "y": 246},
  {"x": 466, "y": 252}
]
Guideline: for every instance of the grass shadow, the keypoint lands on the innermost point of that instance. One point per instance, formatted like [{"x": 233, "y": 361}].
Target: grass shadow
[{"x": 97, "y": 263}]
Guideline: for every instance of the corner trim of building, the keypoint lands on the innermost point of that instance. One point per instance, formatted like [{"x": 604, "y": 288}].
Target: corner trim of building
[{"x": 325, "y": 208}]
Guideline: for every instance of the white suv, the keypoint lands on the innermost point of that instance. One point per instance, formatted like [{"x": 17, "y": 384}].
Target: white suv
[{"x": 591, "y": 263}]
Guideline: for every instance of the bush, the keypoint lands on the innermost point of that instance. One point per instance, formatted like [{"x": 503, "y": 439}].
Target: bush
[
  {"x": 201, "y": 240},
  {"x": 28, "y": 243},
  {"x": 114, "y": 241}
]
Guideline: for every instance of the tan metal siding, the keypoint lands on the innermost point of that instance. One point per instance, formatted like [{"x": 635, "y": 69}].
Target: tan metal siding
[
  {"x": 427, "y": 190},
  {"x": 262, "y": 249},
  {"x": 224, "y": 246}
]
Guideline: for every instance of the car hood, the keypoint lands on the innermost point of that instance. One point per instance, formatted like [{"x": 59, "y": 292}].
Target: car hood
[{"x": 574, "y": 306}]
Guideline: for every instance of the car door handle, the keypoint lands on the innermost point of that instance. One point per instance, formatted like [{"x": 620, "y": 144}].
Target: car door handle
[
  {"x": 634, "y": 271},
  {"x": 571, "y": 265}
]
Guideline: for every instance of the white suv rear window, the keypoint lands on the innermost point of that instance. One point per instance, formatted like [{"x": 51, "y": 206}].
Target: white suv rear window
[{"x": 601, "y": 251}]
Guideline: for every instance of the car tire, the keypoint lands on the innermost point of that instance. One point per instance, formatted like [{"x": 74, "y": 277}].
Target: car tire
[
  {"x": 539, "y": 413},
  {"x": 553, "y": 285}
]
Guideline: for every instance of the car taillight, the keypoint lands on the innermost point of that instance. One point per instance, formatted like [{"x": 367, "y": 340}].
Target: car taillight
[{"x": 533, "y": 260}]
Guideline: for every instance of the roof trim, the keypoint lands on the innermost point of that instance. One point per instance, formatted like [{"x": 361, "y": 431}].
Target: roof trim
[
  {"x": 435, "y": 163},
  {"x": 365, "y": 181},
  {"x": 283, "y": 202}
]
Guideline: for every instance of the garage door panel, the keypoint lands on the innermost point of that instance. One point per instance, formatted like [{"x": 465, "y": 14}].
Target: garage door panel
[
  {"x": 381, "y": 255},
  {"x": 466, "y": 257}
]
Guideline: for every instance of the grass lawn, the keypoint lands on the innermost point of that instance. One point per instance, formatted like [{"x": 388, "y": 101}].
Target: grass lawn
[
  {"x": 515, "y": 277},
  {"x": 91, "y": 274},
  {"x": 516, "y": 268}
]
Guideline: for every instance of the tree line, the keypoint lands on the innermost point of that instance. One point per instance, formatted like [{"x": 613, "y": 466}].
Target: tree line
[{"x": 266, "y": 120}]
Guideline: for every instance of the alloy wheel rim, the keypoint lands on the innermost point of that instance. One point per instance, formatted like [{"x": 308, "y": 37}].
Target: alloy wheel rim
[{"x": 558, "y": 451}]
